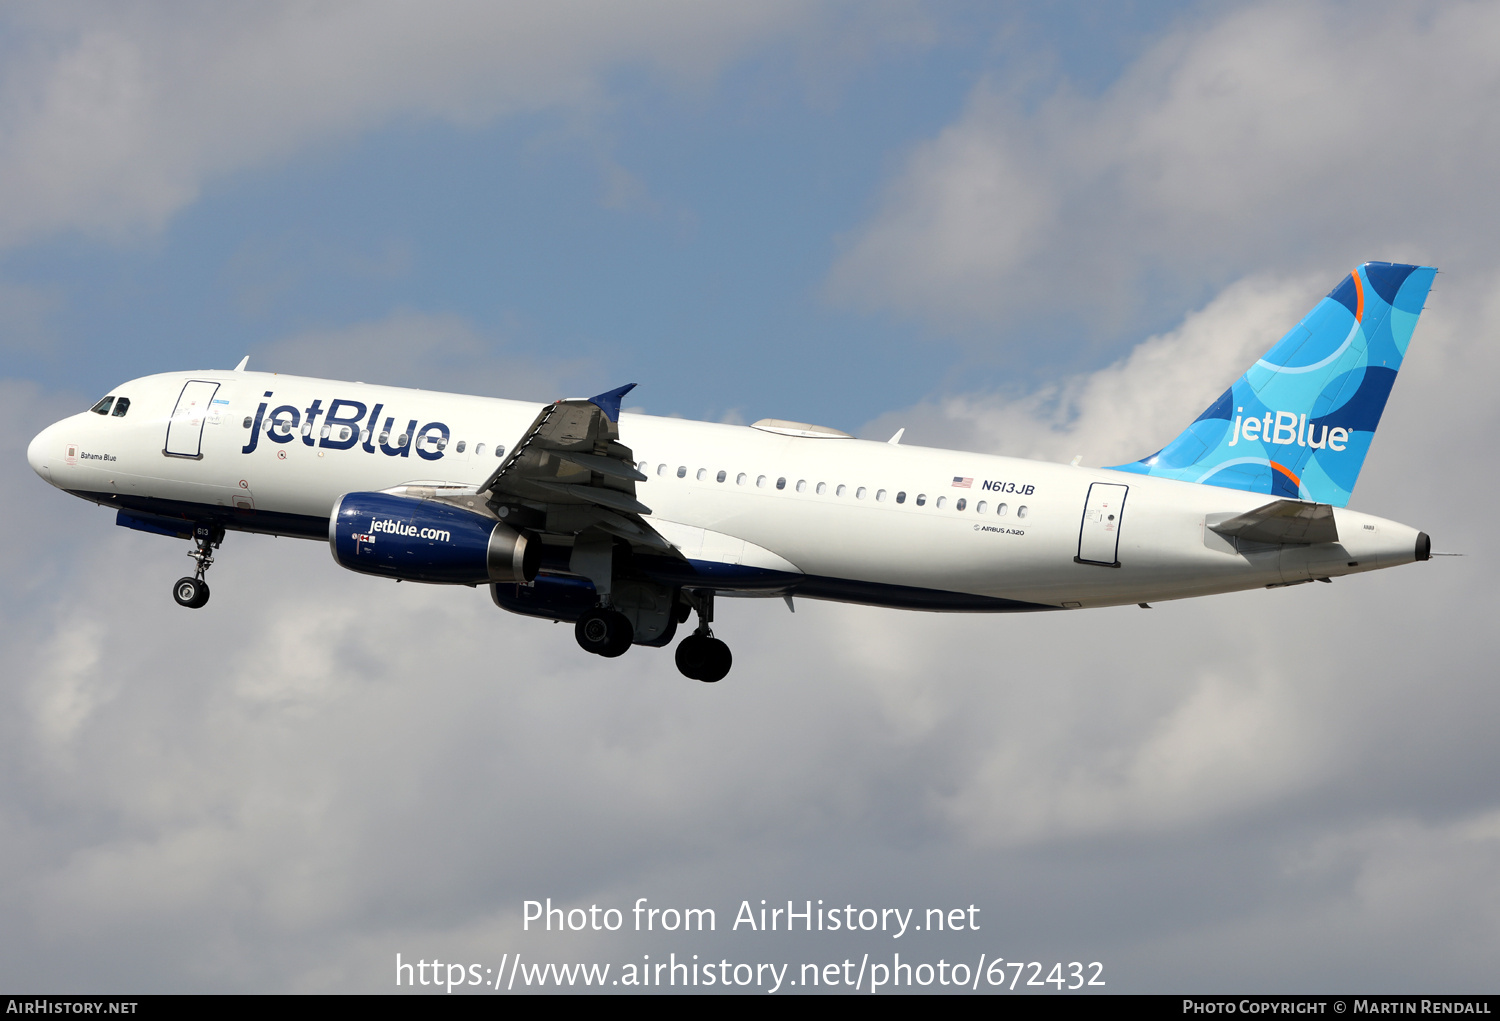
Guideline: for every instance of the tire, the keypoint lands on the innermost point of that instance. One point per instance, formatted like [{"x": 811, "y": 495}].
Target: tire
[
  {"x": 691, "y": 656},
  {"x": 605, "y": 633},
  {"x": 702, "y": 658},
  {"x": 190, "y": 592},
  {"x": 718, "y": 661}
]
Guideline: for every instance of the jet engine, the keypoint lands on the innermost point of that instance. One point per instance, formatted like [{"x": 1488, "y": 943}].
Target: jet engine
[{"x": 426, "y": 540}]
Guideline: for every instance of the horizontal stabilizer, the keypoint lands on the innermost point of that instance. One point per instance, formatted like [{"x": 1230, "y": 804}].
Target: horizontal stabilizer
[{"x": 1282, "y": 521}]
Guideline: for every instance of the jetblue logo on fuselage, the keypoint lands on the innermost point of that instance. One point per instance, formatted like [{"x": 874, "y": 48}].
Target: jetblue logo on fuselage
[
  {"x": 1286, "y": 428},
  {"x": 346, "y": 424}
]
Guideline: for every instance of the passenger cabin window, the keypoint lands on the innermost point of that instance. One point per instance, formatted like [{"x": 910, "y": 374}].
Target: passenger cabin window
[
  {"x": 739, "y": 480},
  {"x": 102, "y": 408},
  {"x": 859, "y": 494},
  {"x": 822, "y": 488},
  {"x": 781, "y": 483},
  {"x": 841, "y": 491},
  {"x": 880, "y": 495},
  {"x": 121, "y": 407},
  {"x": 1001, "y": 510},
  {"x": 901, "y": 496},
  {"x": 921, "y": 499},
  {"x": 760, "y": 482},
  {"x": 478, "y": 448},
  {"x": 682, "y": 471},
  {"x": 942, "y": 501},
  {"x": 702, "y": 474},
  {"x": 1021, "y": 511},
  {"x": 979, "y": 507},
  {"x": 801, "y": 485},
  {"x": 720, "y": 477},
  {"x": 962, "y": 503},
  {"x": 661, "y": 469},
  {"x": 460, "y": 448},
  {"x": 247, "y": 421}
]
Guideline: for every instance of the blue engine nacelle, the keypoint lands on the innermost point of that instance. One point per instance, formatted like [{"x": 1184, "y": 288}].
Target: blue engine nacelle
[
  {"x": 552, "y": 597},
  {"x": 425, "y": 540}
]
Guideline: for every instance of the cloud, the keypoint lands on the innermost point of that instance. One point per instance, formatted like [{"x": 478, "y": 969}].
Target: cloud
[
  {"x": 112, "y": 119},
  {"x": 25, "y": 311},
  {"x": 320, "y": 770},
  {"x": 1285, "y": 137},
  {"x": 433, "y": 351},
  {"x": 1131, "y": 408}
]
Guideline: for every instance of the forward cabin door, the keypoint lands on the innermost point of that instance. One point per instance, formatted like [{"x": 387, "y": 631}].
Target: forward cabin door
[
  {"x": 1099, "y": 535},
  {"x": 185, "y": 430}
]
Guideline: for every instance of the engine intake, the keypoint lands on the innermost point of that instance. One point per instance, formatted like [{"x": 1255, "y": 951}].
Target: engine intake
[{"x": 425, "y": 540}]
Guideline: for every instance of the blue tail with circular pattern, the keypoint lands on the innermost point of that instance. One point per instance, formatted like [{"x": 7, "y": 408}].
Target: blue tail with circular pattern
[{"x": 1300, "y": 422}]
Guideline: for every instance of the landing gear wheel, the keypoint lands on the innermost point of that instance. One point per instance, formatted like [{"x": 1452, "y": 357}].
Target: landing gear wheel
[
  {"x": 704, "y": 658},
  {"x": 190, "y": 592},
  {"x": 193, "y": 592},
  {"x": 604, "y": 632}
]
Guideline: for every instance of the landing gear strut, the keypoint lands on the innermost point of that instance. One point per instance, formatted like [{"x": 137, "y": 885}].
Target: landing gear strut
[
  {"x": 193, "y": 592},
  {"x": 700, "y": 655}
]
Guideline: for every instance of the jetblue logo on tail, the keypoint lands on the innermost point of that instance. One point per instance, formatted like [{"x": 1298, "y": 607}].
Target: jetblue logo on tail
[
  {"x": 1285, "y": 428},
  {"x": 1303, "y": 416}
]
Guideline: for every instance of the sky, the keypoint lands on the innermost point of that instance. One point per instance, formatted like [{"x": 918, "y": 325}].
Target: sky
[{"x": 1041, "y": 230}]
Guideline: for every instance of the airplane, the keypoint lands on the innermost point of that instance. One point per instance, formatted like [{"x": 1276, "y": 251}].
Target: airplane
[{"x": 628, "y": 524}]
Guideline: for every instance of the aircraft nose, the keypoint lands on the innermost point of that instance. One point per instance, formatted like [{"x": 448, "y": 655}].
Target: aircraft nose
[{"x": 42, "y": 451}]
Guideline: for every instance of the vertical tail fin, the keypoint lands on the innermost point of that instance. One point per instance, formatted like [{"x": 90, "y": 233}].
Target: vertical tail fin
[{"x": 1300, "y": 421}]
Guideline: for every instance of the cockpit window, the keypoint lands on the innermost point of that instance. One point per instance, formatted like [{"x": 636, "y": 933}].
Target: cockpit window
[
  {"x": 121, "y": 406},
  {"x": 102, "y": 408}
]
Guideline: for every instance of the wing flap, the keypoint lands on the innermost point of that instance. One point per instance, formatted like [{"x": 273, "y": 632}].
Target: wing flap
[
  {"x": 571, "y": 466},
  {"x": 610, "y": 498}
]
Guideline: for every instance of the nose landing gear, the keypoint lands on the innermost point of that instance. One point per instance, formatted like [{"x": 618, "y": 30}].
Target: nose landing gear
[
  {"x": 193, "y": 592},
  {"x": 701, "y": 656}
]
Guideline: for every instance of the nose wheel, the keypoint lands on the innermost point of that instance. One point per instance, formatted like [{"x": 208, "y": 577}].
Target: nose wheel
[
  {"x": 193, "y": 592},
  {"x": 190, "y": 592},
  {"x": 701, "y": 656}
]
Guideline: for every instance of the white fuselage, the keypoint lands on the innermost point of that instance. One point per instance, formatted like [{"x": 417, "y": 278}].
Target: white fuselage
[{"x": 713, "y": 491}]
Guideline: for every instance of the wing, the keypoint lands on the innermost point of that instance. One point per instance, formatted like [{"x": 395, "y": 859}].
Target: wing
[{"x": 571, "y": 472}]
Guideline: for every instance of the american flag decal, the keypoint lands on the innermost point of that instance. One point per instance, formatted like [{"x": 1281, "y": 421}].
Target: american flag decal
[{"x": 960, "y": 483}]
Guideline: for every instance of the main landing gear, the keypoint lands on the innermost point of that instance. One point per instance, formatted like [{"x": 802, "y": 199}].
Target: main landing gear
[
  {"x": 700, "y": 655},
  {"x": 193, "y": 592},
  {"x": 604, "y": 632}
]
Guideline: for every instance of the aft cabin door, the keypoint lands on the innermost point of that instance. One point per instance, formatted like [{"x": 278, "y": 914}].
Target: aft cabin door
[
  {"x": 1099, "y": 536},
  {"x": 185, "y": 430}
]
